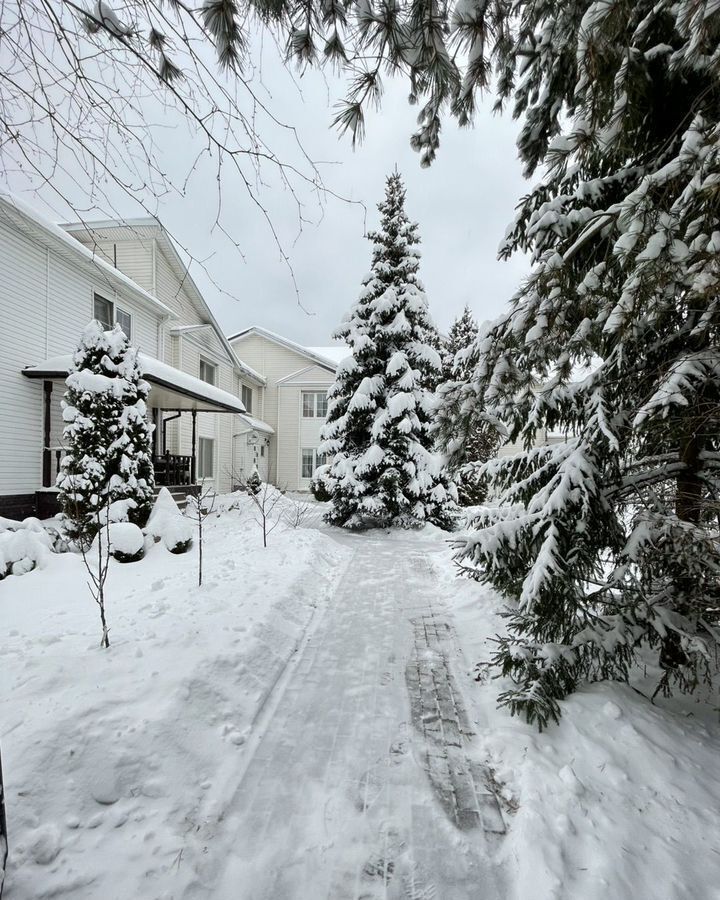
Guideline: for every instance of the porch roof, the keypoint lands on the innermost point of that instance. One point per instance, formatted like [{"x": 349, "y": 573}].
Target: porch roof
[
  {"x": 171, "y": 389},
  {"x": 253, "y": 424}
]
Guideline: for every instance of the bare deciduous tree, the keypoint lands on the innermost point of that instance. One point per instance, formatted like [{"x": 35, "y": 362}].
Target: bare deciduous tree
[
  {"x": 267, "y": 514},
  {"x": 96, "y": 558},
  {"x": 198, "y": 508},
  {"x": 87, "y": 90}
]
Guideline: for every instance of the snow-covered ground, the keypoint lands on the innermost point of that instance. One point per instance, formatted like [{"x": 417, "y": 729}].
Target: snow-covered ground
[
  {"x": 109, "y": 755},
  {"x": 202, "y": 756},
  {"x": 621, "y": 800}
]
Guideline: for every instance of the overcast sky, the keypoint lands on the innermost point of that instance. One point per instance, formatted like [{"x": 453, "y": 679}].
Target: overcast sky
[{"x": 463, "y": 204}]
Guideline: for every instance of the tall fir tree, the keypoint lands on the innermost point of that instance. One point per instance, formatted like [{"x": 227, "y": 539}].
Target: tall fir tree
[
  {"x": 107, "y": 435},
  {"x": 462, "y": 334},
  {"x": 606, "y": 542},
  {"x": 383, "y": 470},
  {"x": 473, "y": 440}
]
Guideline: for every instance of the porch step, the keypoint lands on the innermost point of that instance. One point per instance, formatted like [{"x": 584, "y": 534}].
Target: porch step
[{"x": 179, "y": 492}]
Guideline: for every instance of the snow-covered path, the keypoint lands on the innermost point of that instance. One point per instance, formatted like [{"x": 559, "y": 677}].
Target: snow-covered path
[{"x": 355, "y": 782}]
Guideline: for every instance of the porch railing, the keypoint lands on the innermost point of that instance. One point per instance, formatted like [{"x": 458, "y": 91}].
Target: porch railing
[
  {"x": 50, "y": 472},
  {"x": 172, "y": 469}
]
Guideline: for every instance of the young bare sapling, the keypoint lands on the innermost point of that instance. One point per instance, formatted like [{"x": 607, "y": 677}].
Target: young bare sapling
[
  {"x": 96, "y": 558},
  {"x": 266, "y": 501},
  {"x": 198, "y": 508}
]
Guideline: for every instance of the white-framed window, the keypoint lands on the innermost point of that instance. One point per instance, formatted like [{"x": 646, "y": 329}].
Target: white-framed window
[
  {"x": 262, "y": 449},
  {"x": 208, "y": 371},
  {"x": 247, "y": 397},
  {"x": 310, "y": 460},
  {"x": 206, "y": 457},
  {"x": 314, "y": 404},
  {"x": 108, "y": 314},
  {"x": 124, "y": 320},
  {"x": 103, "y": 311}
]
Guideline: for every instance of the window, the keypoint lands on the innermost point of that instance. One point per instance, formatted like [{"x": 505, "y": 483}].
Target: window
[
  {"x": 107, "y": 314},
  {"x": 308, "y": 457},
  {"x": 247, "y": 398},
  {"x": 314, "y": 404},
  {"x": 124, "y": 320},
  {"x": 262, "y": 449},
  {"x": 207, "y": 371},
  {"x": 103, "y": 312},
  {"x": 206, "y": 457},
  {"x": 310, "y": 461}
]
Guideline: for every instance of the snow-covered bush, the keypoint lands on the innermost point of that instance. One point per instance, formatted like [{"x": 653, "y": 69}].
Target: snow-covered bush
[
  {"x": 167, "y": 524},
  {"x": 254, "y": 482},
  {"x": 164, "y": 510},
  {"x": 127, "y": 543},
  {"x": 23, "y": 550},
  {"x": 178, "y": 534},
  {"x": 106, "y": 433},
  {"x": 383, "y": 471}
]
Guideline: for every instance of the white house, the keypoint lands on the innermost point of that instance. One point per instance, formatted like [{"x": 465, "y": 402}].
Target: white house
[
  {"x": 294, "y": 400},
  {"x": 53, "y": 281}
]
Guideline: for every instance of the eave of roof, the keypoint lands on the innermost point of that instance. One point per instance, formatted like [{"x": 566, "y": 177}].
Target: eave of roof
[
  {"x": 19, "y": 213},
  {"x": 157, "y": 373},
  {"x": 285, "y": 342},
  {"x": 153, "y": 229}
]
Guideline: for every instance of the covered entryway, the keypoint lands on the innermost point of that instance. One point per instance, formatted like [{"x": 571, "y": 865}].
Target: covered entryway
[{"x": 172, "y": 394}]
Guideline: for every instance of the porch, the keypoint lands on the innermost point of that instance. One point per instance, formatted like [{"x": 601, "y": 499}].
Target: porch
[{"x": 172, "y": 394}]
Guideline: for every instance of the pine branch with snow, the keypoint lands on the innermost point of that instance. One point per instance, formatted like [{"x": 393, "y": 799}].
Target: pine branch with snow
[{"x": 606, "y": 542}]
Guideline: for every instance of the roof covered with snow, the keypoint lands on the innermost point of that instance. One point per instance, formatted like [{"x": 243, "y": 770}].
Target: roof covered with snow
[
  {"x": 312, "y": 353},
  {"x": 337, "y": 352},
  {"x": 21, "y": 215},
  {"x": 172, "y": 389},
  {"x": 151, "y": 229},
  {"x": 256, "y": 424}
]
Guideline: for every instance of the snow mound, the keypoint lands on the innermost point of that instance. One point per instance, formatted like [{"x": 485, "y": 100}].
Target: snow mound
[
  {"x": 127, "y": 542},
  {"x": 163, "y": 512},
  {"x": 167, "y": 524},
  {"x": 23, "y": 550},
  {"x": 177, "y": 534}
]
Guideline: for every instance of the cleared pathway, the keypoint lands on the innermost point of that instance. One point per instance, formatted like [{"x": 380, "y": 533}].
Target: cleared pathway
[{"x": 357, "y": 784}]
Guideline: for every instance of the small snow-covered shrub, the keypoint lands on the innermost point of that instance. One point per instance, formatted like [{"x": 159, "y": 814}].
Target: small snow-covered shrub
[
  {"x": 164, "y": 511},
  {"x": 168, "y": 525},
  {"x": 127, "y": 543},
  {"x": 178, "y": 534},
  {"x": 319, "y": 489},
  {"x": 254, "y": 483},
  {"x": 23, "y": 550}
]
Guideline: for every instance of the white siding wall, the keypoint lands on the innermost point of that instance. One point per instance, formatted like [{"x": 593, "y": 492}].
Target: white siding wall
[
  {"x": 45, "y": 303},
  {"x": 281, "y": 404},
  {"x": 248, "y": 452},
  {"x": 144, "y": 262}
]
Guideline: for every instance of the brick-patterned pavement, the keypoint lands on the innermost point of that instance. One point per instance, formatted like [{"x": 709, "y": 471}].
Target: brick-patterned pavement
[{"x": 357, "y": 783}]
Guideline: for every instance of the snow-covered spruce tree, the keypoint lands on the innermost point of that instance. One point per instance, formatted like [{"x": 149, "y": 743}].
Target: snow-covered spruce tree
[
  {"x": 383, "y": 471},
  {"x": 608, "y": 540},
  {"x": 475, "y": 440},
  {"x": 463, "y": 332},
  {"x": 106, "y": 434}
]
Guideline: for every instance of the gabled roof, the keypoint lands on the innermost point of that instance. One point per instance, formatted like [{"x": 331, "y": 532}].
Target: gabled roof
[
  {"x": 301, "y": 376},
  {"x": 22, "y": 216},
  {"x": 150, "y": 228},
  {"x": 309, "y": 353}
]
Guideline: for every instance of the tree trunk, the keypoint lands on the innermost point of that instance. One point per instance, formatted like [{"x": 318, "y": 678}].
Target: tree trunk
[{"x": 687, "y": 508}]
